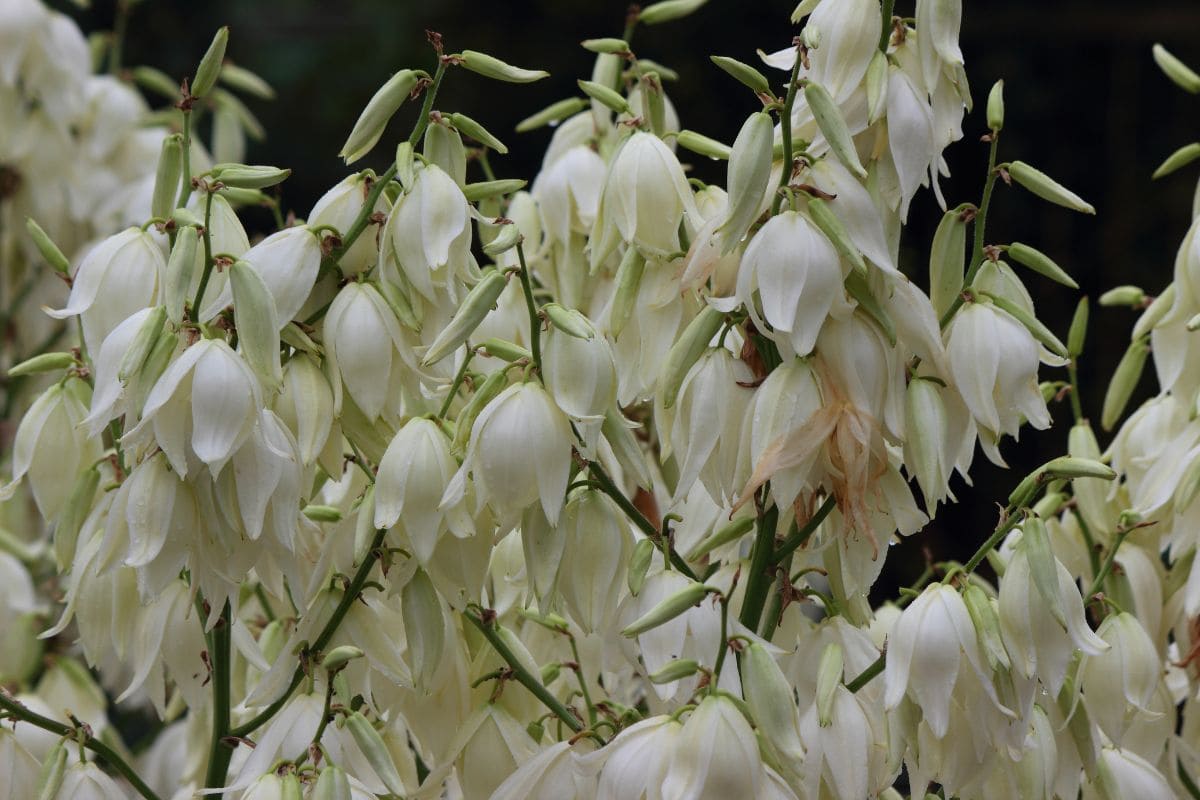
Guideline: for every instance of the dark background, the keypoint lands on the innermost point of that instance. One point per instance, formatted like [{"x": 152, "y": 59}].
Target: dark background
[{"x": 1085, "y": 102}]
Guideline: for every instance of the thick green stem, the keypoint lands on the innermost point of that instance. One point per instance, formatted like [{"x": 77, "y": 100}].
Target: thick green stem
[
  {"x": 886, "y": 35},
  {"x": 977, "y": 252},
  {"x": 16, "y": 711},
  {"x": 583, "y": 687},
  {"x": 1106, "y": 567},
  {"x": 458, "y": 379},
  {"x": 802, "y": 535},
  {"x": 535, "y": 322},
  {"x": 208, "y": 260},
  {"x": 868, "y": 674},
  {"x": 722, "y": 646},
  {"x": 219, "y": 655},
  {"x": 785, "y": 130},
  {"x": 761, "y": 558},
  {"x": 185, "y": 179}
]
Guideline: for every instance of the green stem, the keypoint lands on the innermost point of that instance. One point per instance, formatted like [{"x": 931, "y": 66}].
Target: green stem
[
  {"x": 868, "y": 674},
  {"x": 458, "y": 379},
  {"x": 722, "y": 645},
  {"x": 785, "y": 129},
  {"x": 522, "y": 675},
  {"x": 323, "y": 638},
  {"x": 1088, "y": 539},
  {"x": 1186, "y": 780},
  {"x": 185, "y": 179},
  {"x": 1073, "y": 377},
  {"x": 208, "y": 259},
  {"x": 886, "y": 35},
  {"x": 1011, "y": 519},
  {"x": 326, "y": 715},
  {"x": 799, "y": 537},
  {"x": 535, "y": 322},
  {"x": 583, "y": 687},
  {"x": 761, "y": 558},
  {"x": 219, "y": 752},
  {"x": 977, "y": 254},
  {"x": 19, "y": 712},
  {"x": 1106, "y": 567}
]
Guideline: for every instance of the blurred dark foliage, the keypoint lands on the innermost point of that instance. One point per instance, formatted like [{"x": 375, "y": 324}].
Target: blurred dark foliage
[{"x": 1085, "y": 102}]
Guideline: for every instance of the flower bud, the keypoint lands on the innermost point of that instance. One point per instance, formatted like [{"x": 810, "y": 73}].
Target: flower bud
[
  {"x": 716, "y": 755},
  {"x": 1180, "y": 158},
  {"x": 749, "y": 172},
  {"x": 726, "y": 534},
  {"x": 675, "y": 670},
  {"x": 1123, "y": 296},
  {"x": 46, "y": 362},
  {"x": 210, "y": 64},
  {"x": 180, "y": 270},
  {"x": 375, "y": 749},
  {"x": 1031, "y": 323},
  {"x": 946, "y": 261},
  {"x": 48, "y": 249},
  {"x": 424, "y": 628},
  {"x": 142, "y": 345},
  {"x": 332, "y": 784},
  {"x": 166, "y": 180},
  {"x": 483, "y": 395},
  {"x": 1078, "y": 330},
  {"x": 471, "y": 128},
  {"x": 668, "y": 609},
  {"x": 628, "y": 281},
  {"x": 1183, "y": 75},
  {"x": 667, "y": 10},
  {"x": 877, "y": 86},
  {"x": 833, "y": 126},
  {"x": 157, "y": 81},
  {"x": 492, "y": 67},
  {"x": 1154, "y": 313},
  {"x": 1040, "y": 263},
  {"x": 987, "y": 625},
  {"x": 257, "y": 323},
  {"x": 995, "y": 106},
  {"x": 552, "y": 114},
  {"x": 339, "y": 657},
  {"x": 769, "y": 695},
  {"x": 639, "y": 565},
  {"x": 478, "y": 303},
  {"x": 377, "y": 113},
  {"x": 687, "y": 350},
  {"x": 1047, "y": 188},
  {"x": 508, "y": 238},
  {"x": 829, "y": 678},
  {"x": 246, "y": 176},
  {"x": 702, "y": 145},
  {"x": 743, "y": 73},
  {"x": 319, "y": 513},
  {"x": 1125, "y": 379},
  {"x": 474, "y": 192},
  {"x": 606, "y": 45}
]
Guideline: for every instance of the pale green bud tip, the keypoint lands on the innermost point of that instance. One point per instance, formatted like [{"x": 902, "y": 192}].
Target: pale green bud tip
[
  {"x": 339, "y": 657},
  {"x": 1183, "y": 75},
  {"x": 378, "y": 112},
  {"x": 550, "y": 672},
  {"x": 470, "y": 127},
  {"x": 829, "y": 676},
  {"x": 322, "y": 513},
  {"x": 1123, "y": 296},
  {"x": 1040, "y": 263},
  {"x": 608, "y": 98},
  {"x": 668, "y": 10},
  {"x": 508, "y": 351},
  {"x": 703, "y": 145},
  {"x": 1075, "y": 467},
  {"x": 46, "y": 246},
  {"x": 675, "y": 670},
  {"x": 639, "y": 565},
  {"x": 505, "y": 240},
  {"x": 569, "y": 321},
  {"x": 833, "y": 125},
  {"x": 245, "y": 176},
  {"x": 613, "y": 46},
  {"x": 995, "y": 106},
  {"x": 1047, "y": 188},
  {"x": 1078, "y": 330},
  {"x": 1125, "y": 380},
  {"x": 1180, "y": 158},
  {"x": 475, "y": 192},
  {"x": 492, "y": 67},
  {"x": 687, "y": 349},
  {"x": 743, "y": 73},
  {"x": 668, "y": 609},
  {"x": 156, "y": 81},
  {"x": 246, "y": 81},
  {"x": 210, "y": 65},
  {"x": 46, "y": 362},
  {"x": 552, "y": 114}
]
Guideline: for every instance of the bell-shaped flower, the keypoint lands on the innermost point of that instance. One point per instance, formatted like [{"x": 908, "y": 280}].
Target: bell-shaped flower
[
  {"x": 548, "y": 775},
  {"x": 840, "y": 752},
  {"x": 1122, "y": 774},
  {"x": 413, "y": 475},
  {"x": 785, "y": 402},
  {"x": 119, "y": 276},
  {"x": 910, "y": 135},
  {"x": 790, "y": 276},
  {"x": 339, "y": 207},
  {"x": 716, "y": 756},
  {"x": 596, "y": 548},
  {"x": 520, "y": 453},
  {"x": 84, "y": 780},
  {"x": 645, "y": 197},
  {"x": 581, "y": 376},
  {"x": 288, "y": 262},
  {"x": 1119, "y": 683},
  {"x": 567, "y": 192},
  {"x": 366, "y": 347},
  {"x": 848, "y": 33},
  {"x": 20, "y": 770},
  {"x": 305, "y": 405},
  {"x": 635, "y": 762},
  {"x": 228, "y": 238},
  {"x": 204, "y": 407},
  {"x": 492, "y": 743}
]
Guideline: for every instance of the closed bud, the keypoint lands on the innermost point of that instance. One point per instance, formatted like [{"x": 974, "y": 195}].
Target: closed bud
[
  {"x": 675, "y": 670},
  {"x": 492, "y": 67},
  {"x": 76, "y": 510},
  {"x": 1154, "y": 313},
  {"x": 569, "y": 321},
  {"x": 506, "y": 239},
  {"x": 478, "y": 303},
  {"x": 549, "y": 673},
  {"x": 246, "y": 176},
  {"x": 210, "y": 64},
  {"x": 877, "y": 86},
  {"x": 505, "y": 350},
  {"x": 319, "y": 513},
  {"x": 1043, "y": 566},
  {"x": 702, "y": 145},
  {"x": 1184, "y": 76},
  {"x": 483, "y": 395},
  {"x": 246, "y": 81},
  {"x": 1125, "y": 380},
  {"x": 609, "y": 45},
  {"x": 986, "y": 620},
  {"x": 769, "y": 695},
  {"x": 743, "y": 73},
  {"x": 1123, "y": 296},
  {"x": 628, "y": 280},
  {"x": 375, "y": 749},
  {"x": 668, "y": 609},
  {"x": 48, "y": 249},
  {"x": 181, "y": 268},
  {"x": 157, "y": 81},
  {"x": 1068, "y": 467},
  {"x": 829, "y": 677},
  {"x": 1078, "y": 330},
  {"x": 1031, "y": 323},
  {"x": 166, "y": 179},
  {"x": 668, "y": 10},
  {"x": 830, "y": 225},
  {"x": 1040, "y": 263},
  {"x": 947, "y": 255},
  {"x": 639, "y": 565},
  {"x": 289, "y": 787},
  {"x": 859, "y": 289},
  {"x": 378, "y": 112},
  {"x": 476, "y": 131},
  {"x": 46, "y": 362},
  {"x": 1180, "y": 158},
  {"x": 687, "y": 349},
  {"x": 143, "y": 343},
  {"x": 475, "y": 192},
  {"x": 424, "y": 628},
  {"x": 257, "y": 323},
  {"x": 833, "y": 126},
  {"x": 185, "y": 216},
  {"x": 339, "y": 657},
  {"x": 995, "y": 106},
  {"x": 607, "y": 97},
  {"x": 332, "y": 785},
  {"x": 552, "y": 114},
  {"x": 749, "y": 172},
  {"x": 1047, "y": 188}
]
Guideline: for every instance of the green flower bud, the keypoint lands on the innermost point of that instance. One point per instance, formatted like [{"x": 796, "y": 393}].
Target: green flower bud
[
  {"x": 210, "y": 65},
  {"x": 829, "y": 677},
  {"x": 1180, "y": 158},
  {"x": 181, "y": 267},
  {"x": 639, "y": 565},
  {"x": 424, "y": 628},
  {"x": 484, "y": 189},
  {"x": 318, "y": 513},
  {"x": 505, "y": 240},
  {"x": 46, "y": 362},
  {"x": 185, "y": 216},
  {"x": 616, "y": 430},
  {"x": 1123, "y": 296},
  {"x": 744, "y": 74},
  {"x": 1031, "y": 323},
  {"x": 877, "y": 82},
  {"x": 654, "y": 104},
  {"x": 240, "y": 198},
  {"x": 257, "y": 323},
  {"x": 499, "y": 348},
  {"x": 1078, "y": 330},
  {"x": 833, "y": 126},
  {"x": 675, "y": 670},
  {"x": 1183, "y": 75},
  {"x": 749, "y": 173},
  {"x": 398, "y": 301},
  {"x": 1154, "y": 313},
  {"x": 607, "y": 97},
  {"x": 726, "y": 534},
  {"x": 1040, "y": 263},
  {"x": 246, "y": 81},
  {"x": 339, "y": 657},
  {"x": 378, "y": 112},
  {"x": 1043, "y": 566},
  {"x": 156, "y": 81},
  {"x": 492, "y": 67},
  {"x": 552, "y": 114},
  {"x": 687, "y": 349},
  {"x": 245, "y": 176},
  {"x": 703, "y": 146},
  {"x": 569, "y": 321},
  {"x": 829, "y": 224},
  {"x": 486, "y": 392},
  {"x": 332, "y": 785},
  {"x": 995, "y": 107},
  {"x": 986, "y": 620},
  {"x": 54, "y": 768},
  {"x": 1068, "y": 467},
  {"x": 1125, "y": 380},
  {"x": 668, "y": 10},
  {"x": 143, "y": 343},
  {"x": 1047, "y": 188},
  {"x": 48, "y": 249},
  {"x": 70, "y": 521},
  {"x": 227, "y": 101},
  {"x": 769, "y": 695},
  {"x": 610, "y": 45},
  {"x": 142, "y": 381},
  {"x": 549, "y": 621},
  {"x": 166, "y": 179},
  {"x": 668, "y": 609},
  {"x": 645, "y": 66},
  {"x": 549, "y": 673},
  {"x": 478, "y": 303},
  {"x": 471, "y": 128},
  {"x": 375, "y": 749},
  {"x": 947, "y": 257}
]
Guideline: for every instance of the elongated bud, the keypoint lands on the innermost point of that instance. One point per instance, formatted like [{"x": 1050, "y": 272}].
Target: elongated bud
[
  {"x": 629, "y": 280},
  {"x": 505, "y": 240},
  {"x": 675, "y": 670},
  {"x": 508, "y": 351},
  {"x": 373, "y": 747},
  {"x": 332, "y": 785},
  {"x": 549, "y": 674},
  {"x": 54, "y": 767},
  {"x": 257, "y": 323},
  {"x": 860, "y": 290},
  {"x": 829, "y": 224},
  {"x": 143, "y": 343},
  {"x": 166, "y": 179},
  {"x": 1031, "y": 323},
  {"x": 728, "y": 533},
  {"x": 475, "y": 306},
  {"x": 246, "y": 176},
  {"x": 339, "y": 657},
  {"x": 475, "y": 192},
  {"x": 552, "y": 114},
  {"x": 1043, "y": 567},
  {"x": 142, "y": 381},
  {"x": 487, "y": 392},
  {"x": 569, "y": 321},
  {"x": 654, "y": 104},
  {"x": 76, "y": 510},
  {"x": 1154, "y": 313},
  {"x": 947, "y": 257},
  {"x": 1068, "y": 467},
  {"x": 378, "y": 112},
  {"x": 668, "y": 10},
  {"x": 157, "y": 81},
  {"x": 702, "y": 145},
  {"x": 743, "y": 74},
  {"x": 46, "y": 362},
  {"x": 833, "y": 126},
  {"x": 476, "y": 131},
  {"x": 492, "y": 67},
  {"x": 1125, "y": 380},
  {"x": 1078, "y": 330},
  {"x": 986, "y": 622},
  {"x": 246, "y": 81},
  {"x": 607, "y": 97},
  {"x": 639, "y": 565},
  {"x": 609, "y": 45},
  {"x": 48, "y": 249},
  {"x": 398, "y": 301},
  {"x": 995, "y": 107},
  {"x": 1047, "y": 188},
  {"x": 1040, "y": 263},
  {"x": 749, "y": 172},
  {"x": 1180, "y": 158},
  {"x": 549, "y": 621},
  {"x": 1123, "y": 296},
  {"x": 181, "y": 267},
  {"x": 185, "y": 216},
  {"x": 829, "y": 677},
  {"x": 424, "y": 628},
  {"x": 1183, "y": 75},
  {"x": 245, "y": 197},
  {"x": 319, "y": 513},
  {"x": 769, "y": 695},
  {"x": 668, "y": 609},
  {"x": 210, "y": 65},
  {"x": 687, "y": 349}
]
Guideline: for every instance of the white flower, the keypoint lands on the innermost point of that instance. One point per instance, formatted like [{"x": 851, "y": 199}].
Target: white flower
[
  {"x": 568, "y": 192},
  {"x": 716, "y": 756},
  {"x": 339, "y": 207},
  {"x": 1119, "y": 683},
  {"x": 849, "y": 33},
  {"x": 366, "y": 347},
  {"x": 581, "y": 376},
  {"x": 288, "y": 262},
  {"x": 1123, "y": 774},
  {"x": 84, "y": 780},
  {"x": 634, "y": 764},
  {"x": 595, "y": 555},
  {"x": 546, "y": 776}
]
